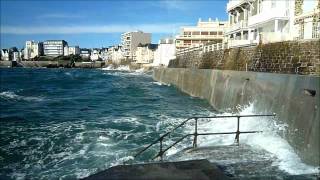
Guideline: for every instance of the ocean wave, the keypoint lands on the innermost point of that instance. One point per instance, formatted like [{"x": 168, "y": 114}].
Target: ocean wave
[
  {"x": 270, "y": 140},
  {"x": 11, "y": 95},
  {"x": 119, "y": 68}
]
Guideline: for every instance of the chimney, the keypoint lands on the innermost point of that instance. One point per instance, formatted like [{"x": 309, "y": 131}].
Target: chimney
[
  {"x": 199, "y": 20},
  {"x": 209, "y": 19}
]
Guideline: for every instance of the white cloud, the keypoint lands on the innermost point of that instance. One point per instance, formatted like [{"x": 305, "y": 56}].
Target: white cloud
[{"x": 169, "y": 28}]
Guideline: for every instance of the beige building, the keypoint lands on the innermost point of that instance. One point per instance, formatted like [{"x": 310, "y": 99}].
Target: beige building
[
  {"x": 32, "y": 49},
  {"x": 73, "y": 50},
  {"x": 145, "y": 53},
  {"x": 307, "y": 19},
  {"x": 205, "y": 32},
  {"x": 131, "y": 40}
]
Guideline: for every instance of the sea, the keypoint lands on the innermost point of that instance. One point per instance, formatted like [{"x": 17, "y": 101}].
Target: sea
[{"x": 71, "y": 123}]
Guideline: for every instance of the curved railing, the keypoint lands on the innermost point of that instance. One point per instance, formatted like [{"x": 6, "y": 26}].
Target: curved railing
[{"x": 196, "y": 134}]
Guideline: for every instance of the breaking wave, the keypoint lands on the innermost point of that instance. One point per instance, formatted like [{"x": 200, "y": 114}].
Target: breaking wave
[{"x": 9, "y": 95}]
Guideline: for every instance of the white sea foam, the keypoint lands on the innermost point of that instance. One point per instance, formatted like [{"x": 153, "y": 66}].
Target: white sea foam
[
  {"x": 13, "y": 96},
  {"x": 119, "y": 68},
  {"x": 269, "y": 140},
  {"x": 160, "y": 84}
]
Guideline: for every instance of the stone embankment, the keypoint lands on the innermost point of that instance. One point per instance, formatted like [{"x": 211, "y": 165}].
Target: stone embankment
[{"x": 294, "y": 57}]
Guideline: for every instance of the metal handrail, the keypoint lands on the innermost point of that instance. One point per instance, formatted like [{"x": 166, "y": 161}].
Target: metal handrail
[{"x": 196, "y": 134}]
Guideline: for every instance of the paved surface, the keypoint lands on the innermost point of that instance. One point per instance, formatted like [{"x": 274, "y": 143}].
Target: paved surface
[{"x": 183, "y": 170}]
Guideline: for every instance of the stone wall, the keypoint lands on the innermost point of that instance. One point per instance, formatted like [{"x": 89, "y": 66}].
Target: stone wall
[
  {"x": 294, "y": 57},
  {"x": 294, "y": 99}
]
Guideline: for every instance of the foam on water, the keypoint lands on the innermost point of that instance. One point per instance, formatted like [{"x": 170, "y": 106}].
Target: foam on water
[
  {"x": 269, "y": 140},
  {"x": 13, "y": 96}
]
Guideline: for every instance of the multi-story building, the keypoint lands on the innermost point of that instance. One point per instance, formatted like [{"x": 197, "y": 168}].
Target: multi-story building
[
  {"x": 165, "y": 52},
  {"x": 307, "y": 19},
  {"x": 131, "y": 40},
  {"x": 85, "y": 53},
  {"x": 4, "y": 54},
  {"x": 116, "y": 54},
  {"x": 260, "y": 21},
  {"x": 95, "y": 54},
  {"x": 74, "y": 50},
  {"x": 205, "y": 32},
  {"x": 33, "y": 49},
  {"x": 54, "y": 48},
  {"x": 145, "y": 53}
]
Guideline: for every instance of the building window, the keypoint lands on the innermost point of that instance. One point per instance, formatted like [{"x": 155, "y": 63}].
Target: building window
[
  {"x": 316, "y": 29},
  {"x": 220, "y": 33},
  {"x": 196, "y": 33},
  {"x": 273, "y": 4},
  {"x": 204, "y": 33},
  {"x": 213, "y": 33},
  {"x": 301, "y": 30}
]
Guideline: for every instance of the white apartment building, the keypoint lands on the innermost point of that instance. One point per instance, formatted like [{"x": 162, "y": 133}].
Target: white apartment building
[
  {"x": 165, "y": 52},
  {"x": 131, "y": 40},
  {"x": 95, "y": 55},
  {"x": 16, "y": 56},
  {"x": 66, "y": 50},
  {"x": 307, "y": 19},
  {"x": 4, "y": 54},
  {"x": 205, "y": 32},
  {"x": 54, "y": 48},
  {"x": 145, "y": 53},
  {"x": 265, "y": 21},
  {"x": 33, "y": 49},
  {"x": 85, "y": 53},
  {"x": 74, "y": 50},
  {"x": 116, "y": 54}
]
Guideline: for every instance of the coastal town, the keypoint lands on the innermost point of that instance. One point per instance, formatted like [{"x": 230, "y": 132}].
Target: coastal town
[
  {"x": 163, "y": 89},
  {"x": 250, "y": 23}
]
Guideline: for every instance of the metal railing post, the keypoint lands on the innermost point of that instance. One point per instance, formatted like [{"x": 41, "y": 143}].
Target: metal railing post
[
  {"x": 160, "y": 152},
  {"x": 195, "y": 133},
  {"x": 238, "y": 131}
]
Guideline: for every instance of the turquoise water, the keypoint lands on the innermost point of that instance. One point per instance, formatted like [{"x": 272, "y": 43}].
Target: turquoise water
[{"x": 70, "y": 123}]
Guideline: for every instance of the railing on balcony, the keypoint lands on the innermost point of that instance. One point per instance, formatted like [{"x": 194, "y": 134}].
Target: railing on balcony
[{"x": 195, "y": 135}]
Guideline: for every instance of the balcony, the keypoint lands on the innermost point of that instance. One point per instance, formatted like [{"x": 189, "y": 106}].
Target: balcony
[
  {"x": 270, "y": 37},
  {"x": 242, "y": 43},
  {"x": 198, "y": 37},
  {"x": 267, "y": 16},
  {"x": 235, "y": 27},
  {"x": 236, "y": 3}
]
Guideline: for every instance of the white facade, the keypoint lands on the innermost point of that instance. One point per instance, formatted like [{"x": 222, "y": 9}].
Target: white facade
[
  {"x": 85, "y": 53},
  {"x": 265, "y": 21},
  {"x": 66, "y": 50},
  {"x": 95, "y": 55},
  {"x": 166, "y": 51},
  {"x": 74, "y": 50},
  {"x": 145, "y": 53},
  {"x": 259, "y": 21},
  {"x": 54, "y": 48},
  {"x": 4, "y": 54},
  {"x": 205, "y": 32},
  {"x": 131, "y": 40},
  {"x": 116, "y": 54},
  {"x": 32, "y": 49},
  {"x": 307, "y": 20},
  {"x": 16, "y": 56}
]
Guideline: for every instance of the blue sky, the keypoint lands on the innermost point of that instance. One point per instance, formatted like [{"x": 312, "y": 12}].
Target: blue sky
[{"x": 97, "y": 23}]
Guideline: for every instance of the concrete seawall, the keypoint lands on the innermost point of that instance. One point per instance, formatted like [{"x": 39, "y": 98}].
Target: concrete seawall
[{"x": 294, "y": 98}]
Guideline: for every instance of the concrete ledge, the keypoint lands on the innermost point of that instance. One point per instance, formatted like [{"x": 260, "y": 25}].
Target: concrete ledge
[
  {"x": 294, "y": 98},
  {"x": 183, "y": 170}
]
